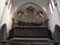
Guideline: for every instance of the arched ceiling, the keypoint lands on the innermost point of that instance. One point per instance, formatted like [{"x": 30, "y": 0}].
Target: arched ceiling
[
  {"x": 17, "y": 3},
  {"x": 29, "y": 4}
]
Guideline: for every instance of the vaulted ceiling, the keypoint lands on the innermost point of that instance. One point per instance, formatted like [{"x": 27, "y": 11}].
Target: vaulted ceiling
[{"x": 17, "y": 3}]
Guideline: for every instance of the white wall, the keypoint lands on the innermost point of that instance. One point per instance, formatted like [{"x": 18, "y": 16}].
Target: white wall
[
  {"x": 2, "y": 4},
  {"x": 58, "y": 5},
  {"x": 54, "y": 17},
  {"x": 5, "y": 11}
]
